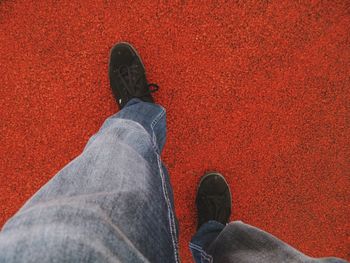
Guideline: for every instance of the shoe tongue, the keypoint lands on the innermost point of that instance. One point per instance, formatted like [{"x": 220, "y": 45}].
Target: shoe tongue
[
  {"x": 134, "y": 80},
  {"x": 215, "y": 209}
]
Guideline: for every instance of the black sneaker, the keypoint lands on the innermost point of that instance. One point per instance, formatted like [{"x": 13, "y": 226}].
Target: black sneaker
[
  {"x": 127, "y": 75},
  {"x": 213, "y": 199}
]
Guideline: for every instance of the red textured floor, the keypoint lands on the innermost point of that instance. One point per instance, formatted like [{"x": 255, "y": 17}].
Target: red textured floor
[{"x": 258, "y": 90}]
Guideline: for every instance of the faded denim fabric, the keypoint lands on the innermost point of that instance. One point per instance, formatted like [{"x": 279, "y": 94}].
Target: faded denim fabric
[
  {"x": 113, "y": 203},
  {"x": 238, "y": 242}
]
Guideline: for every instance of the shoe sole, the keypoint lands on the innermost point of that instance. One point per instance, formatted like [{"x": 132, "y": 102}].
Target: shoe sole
[{"x": 217, "y": 174}]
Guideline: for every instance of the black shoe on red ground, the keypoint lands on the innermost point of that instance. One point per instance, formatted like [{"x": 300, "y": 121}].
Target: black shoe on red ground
[
  {"x": 213, "y": 201},
  {"x": 127, "y": 75}
]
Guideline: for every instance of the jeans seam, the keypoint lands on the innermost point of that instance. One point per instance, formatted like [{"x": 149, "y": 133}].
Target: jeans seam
[
  {"x": 160, "y": 115},
  {"x": 170, "y": 214},
  {"x": 164, "y": 190},
  {"x": 204, "y": 255},
  {"x": 153, "y": 124},
  {"x": 207, "y": 256},
  {"x": 192, "y": 245},
  {"x": 165, "y": 193}
]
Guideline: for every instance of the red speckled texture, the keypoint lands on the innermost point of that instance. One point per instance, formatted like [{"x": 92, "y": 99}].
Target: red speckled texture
[{"x": 258, "y": 90}]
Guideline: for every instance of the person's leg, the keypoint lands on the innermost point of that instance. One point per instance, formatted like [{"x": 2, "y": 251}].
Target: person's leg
[
  {"x": 113, "y": 203},
  {"x": 216, "y": 241},
  {"x": 241, "y": 243}
]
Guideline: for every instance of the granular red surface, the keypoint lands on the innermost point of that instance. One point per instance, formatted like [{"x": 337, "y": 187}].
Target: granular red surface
[{"x": 258, "y": 90}]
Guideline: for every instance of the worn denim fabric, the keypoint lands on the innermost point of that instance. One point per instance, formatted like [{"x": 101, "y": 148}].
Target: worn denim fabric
[
  {"x": 238, "y": 242},
  {"x": 205, "y": 235},
  {"x": 113, "y": 203}
]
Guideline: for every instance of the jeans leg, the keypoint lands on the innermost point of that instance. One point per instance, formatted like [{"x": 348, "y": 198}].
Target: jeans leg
[
  {"x": 205, "y": 235},
  {"x": 240, "y": 243},
  {"x": 112, "y": 203}
]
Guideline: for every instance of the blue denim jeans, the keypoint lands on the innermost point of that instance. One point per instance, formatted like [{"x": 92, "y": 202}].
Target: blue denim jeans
[
  {"x": 114, "y": 203},
  {"x": 238, "y": 242}
]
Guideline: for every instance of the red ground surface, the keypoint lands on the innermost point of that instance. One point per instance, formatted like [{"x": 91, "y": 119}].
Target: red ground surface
[{"x": 258, "y": 90}]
